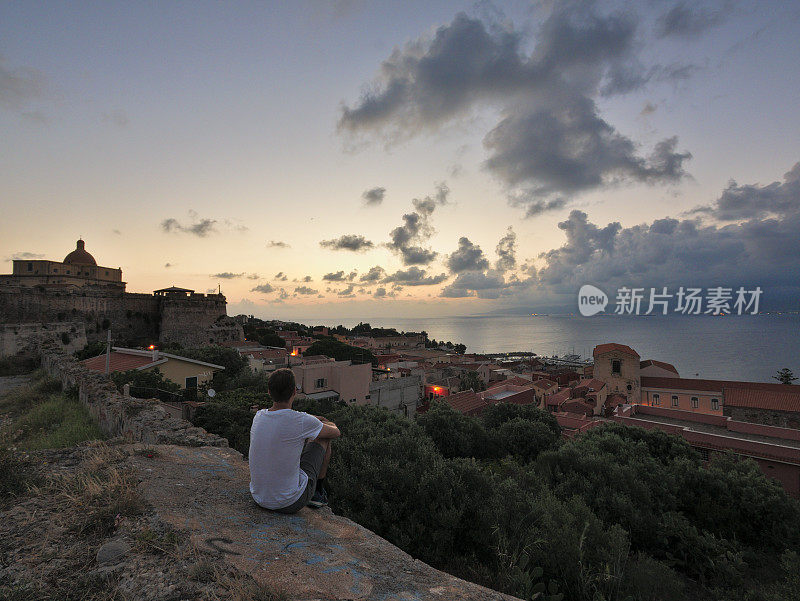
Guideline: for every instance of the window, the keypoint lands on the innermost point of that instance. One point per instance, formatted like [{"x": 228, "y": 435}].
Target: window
[
  {"x": 703, "y": 454},
  {"x": 30, "y": 266},
  {"x": 191, "y": 382},
  {"x": 55, "y": 270},
  {"x": 616, "y": 366},
  {"x": 674, "y": 400},
  {"x": 695, "y": 402},
  {"x": 320, "y": 383},
  {"x": 715, "y": 404},
  {"x": 656, "y": 399},
  {"x": 67, "y": 271}
]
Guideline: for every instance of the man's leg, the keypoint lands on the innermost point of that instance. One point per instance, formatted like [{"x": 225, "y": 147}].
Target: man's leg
[{"x": 328, "y": 447}]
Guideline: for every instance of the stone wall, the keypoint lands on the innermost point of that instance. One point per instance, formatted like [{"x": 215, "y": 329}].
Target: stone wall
[
  {"x": 781, "y": 419},
  {"x": 198, "y": 320},
  {"x": 25, "y": 338},
  {"x": 133, "y": 318},
  {"x": 117, "y": 415}
]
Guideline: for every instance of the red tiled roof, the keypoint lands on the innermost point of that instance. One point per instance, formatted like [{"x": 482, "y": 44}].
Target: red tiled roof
[
  {"x": 544, "y": 384},
  {"x": 466, "y": 402},
  {"x": 614, "y": 346},
  {"x": 775, "y": 400},
  {"x": 119, "y": 362},
  {"x": 592, "y": 383},
  {"x": 266, "y": 353},
  {"x": 709, "y": 385},
  {"x": 661, "y": 364},
  {"x": 558, "y": 397}
]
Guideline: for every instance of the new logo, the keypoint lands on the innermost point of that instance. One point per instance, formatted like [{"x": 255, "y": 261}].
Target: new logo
[{"x": 591, "y": 300}]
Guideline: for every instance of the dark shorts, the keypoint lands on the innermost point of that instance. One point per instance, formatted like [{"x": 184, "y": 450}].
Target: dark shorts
[{"x": 311, "y": 463}]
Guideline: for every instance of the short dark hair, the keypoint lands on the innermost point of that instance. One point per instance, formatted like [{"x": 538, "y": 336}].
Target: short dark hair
[{"x": 281, "y": 385}]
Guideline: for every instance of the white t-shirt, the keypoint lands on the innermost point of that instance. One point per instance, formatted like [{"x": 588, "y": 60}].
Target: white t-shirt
[{"x": 276, "y": 442}]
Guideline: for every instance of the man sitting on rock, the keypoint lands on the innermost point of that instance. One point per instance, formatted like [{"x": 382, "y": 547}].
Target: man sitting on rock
[{"x": 289, "y": 451}]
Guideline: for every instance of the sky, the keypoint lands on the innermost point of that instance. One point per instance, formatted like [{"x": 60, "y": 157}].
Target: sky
[{"x": 349, "y": 159}]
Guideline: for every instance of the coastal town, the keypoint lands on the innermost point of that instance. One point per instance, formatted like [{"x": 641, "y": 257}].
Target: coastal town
[{"x": 403, "y": 372}]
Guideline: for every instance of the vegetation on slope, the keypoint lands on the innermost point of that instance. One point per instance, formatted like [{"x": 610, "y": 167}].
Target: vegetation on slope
[{"x": 615, "y": 514}]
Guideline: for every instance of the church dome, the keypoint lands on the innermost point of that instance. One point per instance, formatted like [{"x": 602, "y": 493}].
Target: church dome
[{"x": 79, "y": 256}]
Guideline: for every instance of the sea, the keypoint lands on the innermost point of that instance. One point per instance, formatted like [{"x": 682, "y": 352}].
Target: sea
[{"x": 731, "y": 347}]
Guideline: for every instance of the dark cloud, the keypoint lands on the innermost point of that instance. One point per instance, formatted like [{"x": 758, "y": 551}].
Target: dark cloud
[
  {"x": 334, "y": 277},
  {"x": 374, "y": 196},
  {"x": 227, "y": 275},
  {"x": 761, "y": 249},
  {"x": 468, "y": 257},
  {"x": 253, "y": 276},
  {"x": 414, "y": 276},
  {"x": 756, "y": 201},
  {"x": 687, "y": 20},
  {"x": 351, "y": 242},
  {"x": 551, "y": 143},
  {"x": 506, "y": 252},
  {"x": 380, "y": 292},
  {"x": 116, "y": 118},
  {"x": 199, "y": 227},
  {"x": 280, "y": 277},
  {"x": 373, "y": 275},
  {"x": 116, "y": 232},
  {"x": 648, "y": 109},
  {"x": 167, "y": 265},
  {"x": 18, "y": 86},
  {"x": 470, "y": 283},
  {"x": 307, "y": 279},
  {"x": 305, "y": 290},
  {"x": 407, "y": 239},
  {"x": 347, "y": 292},
  {"x": 277, "y": 244},
  {"x": 263, "y": 288},
  {"x": 25, "y": 256}
]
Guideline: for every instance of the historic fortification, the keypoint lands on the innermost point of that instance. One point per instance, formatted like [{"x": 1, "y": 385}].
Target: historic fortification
[{"x": 77, "y": 290}]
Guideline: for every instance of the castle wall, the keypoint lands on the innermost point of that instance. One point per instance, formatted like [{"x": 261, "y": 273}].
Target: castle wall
[
  {"x": 24, "y": 338},
  {"x": 197, "y": 321},
  {"x": 133, "y": 318}
]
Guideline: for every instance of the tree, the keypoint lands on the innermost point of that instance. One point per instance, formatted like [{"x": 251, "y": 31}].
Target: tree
[
  {"x": 330, "y": 347},
  {"x": 460, "y": 348},
  {"x": 471, "y": 380},
  {"x": 785, "y": 376},
  {"x": 152, "y": 378}
]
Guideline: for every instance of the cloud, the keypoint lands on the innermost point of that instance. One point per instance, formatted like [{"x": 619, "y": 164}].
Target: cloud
[
  {"x": 227, "y": 275},
  {"x": 414, "y": 276},
  {"x": 305, "y": 290},
  {"x": 334, "y": 277},
  {"x": 469, "y": 283},
  {"x": 468, "y": 257},
  {"x": 347, "y": 292},
  {"x": 351, "y": 242},
  {"x": 18, "y": 86},
  {"x": 280, "y": 277},
  {"x": 352, "y": 276},
  {"x": 25, "y": 256},
  {"x": 263, "y": 288},
  {"x": 373, "y": 275},
  {"x": 118, "y": 118},
  {"x": 380, "y": 293},
  {"x": 761, "y": 249},
  {"x": 373, "y": 196},
  {"x": 689, "y": 20},
  {"x": 551, "y": 143},
  {"x": 116, "y": 232},
  {"x": 168, "y": 265},
  {"x": 200, "y": 227},
  {"x": 407, "y": 239},
  {"x": 648, "y": 109},
  {"x": 277, "y": 244},
  {"x": 756, "y": 201},
  {"x": 506, "y": 252},
  {"x": 253, "y": 276},
  {"x": 308, "y": 278}
]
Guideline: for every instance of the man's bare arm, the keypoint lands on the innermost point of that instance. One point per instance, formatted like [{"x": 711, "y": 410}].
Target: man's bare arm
[{"x": 329, "y": 430}]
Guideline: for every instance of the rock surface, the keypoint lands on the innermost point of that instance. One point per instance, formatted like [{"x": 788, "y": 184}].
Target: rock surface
[
  {"x": 112, "y": 551},
  {"x": 311, "y": 555}
]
